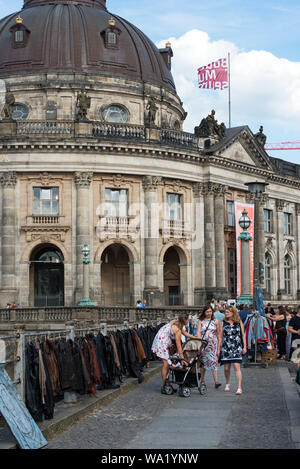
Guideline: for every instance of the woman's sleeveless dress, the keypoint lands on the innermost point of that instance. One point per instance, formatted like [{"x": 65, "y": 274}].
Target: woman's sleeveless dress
[
  {"x": 209, "y": 354},
  {"x": 163, "y": 341},
  {"x": 232, "y": 348}
]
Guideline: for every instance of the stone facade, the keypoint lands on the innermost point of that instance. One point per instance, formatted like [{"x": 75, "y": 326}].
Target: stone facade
[{"x": 182, "y": 254}]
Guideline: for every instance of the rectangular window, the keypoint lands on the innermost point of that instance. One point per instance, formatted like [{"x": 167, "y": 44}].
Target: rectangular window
[
  {"x": 268, "y": 221},
  {"x": 116, "y": 202},
  {"x": 112, "y": 38},
  {"x": 174, "y": 208},
  {"x": 230, "y": 214},
  {"x": 232, "y": 272},
  {"x": 19, "y": 36},
  {"x": 46, "y": 201},
  {"x": 288, "y": 223}
]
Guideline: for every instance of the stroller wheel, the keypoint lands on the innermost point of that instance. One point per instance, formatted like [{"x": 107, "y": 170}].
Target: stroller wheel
[
  {"x": 203, "y": 389},
  {"x": 184, "y": 392},
  {"x": 167, "y": 390}
]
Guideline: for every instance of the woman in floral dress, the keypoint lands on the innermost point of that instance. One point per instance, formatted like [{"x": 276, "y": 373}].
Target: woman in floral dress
[
  {"x": 209, "y": 329},
  {"x": 232, "y": 346},
  {"x": 163, "y": 340}
]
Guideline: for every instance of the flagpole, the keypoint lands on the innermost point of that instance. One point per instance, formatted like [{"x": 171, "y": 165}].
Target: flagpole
[{"x": 229, "y": 89}]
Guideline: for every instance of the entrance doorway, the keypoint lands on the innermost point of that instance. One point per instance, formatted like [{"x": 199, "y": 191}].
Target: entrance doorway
[
  {"x": 172, "y": 284},
  {"x": 47, "y": 273},
  {"x": 115, "y": 276}
]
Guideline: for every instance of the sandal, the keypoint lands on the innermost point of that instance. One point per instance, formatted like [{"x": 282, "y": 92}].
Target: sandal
[
  {"x": 227, "y": 388},
  {"x": 239, "y": 392}
]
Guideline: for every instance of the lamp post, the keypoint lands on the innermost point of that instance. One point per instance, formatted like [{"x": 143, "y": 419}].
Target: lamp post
[
  {"x": 258, "y": 191},
  {"x": 86, "y": 279},
  {"x": 245, "y": 238}
]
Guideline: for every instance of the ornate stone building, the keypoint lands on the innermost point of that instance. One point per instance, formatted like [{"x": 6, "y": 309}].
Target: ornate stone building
[{"x": 92, "y": 150}]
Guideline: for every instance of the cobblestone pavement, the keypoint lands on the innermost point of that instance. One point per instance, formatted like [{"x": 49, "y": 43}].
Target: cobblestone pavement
[
  {"x": 117, "y": 424},
  {"x": 144, "y": 418}
]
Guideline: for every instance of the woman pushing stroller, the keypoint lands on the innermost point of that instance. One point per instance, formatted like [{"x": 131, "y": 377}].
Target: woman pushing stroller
[{"x": 164, "y": 338}]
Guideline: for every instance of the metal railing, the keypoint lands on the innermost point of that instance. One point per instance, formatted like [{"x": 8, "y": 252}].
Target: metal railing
[{"x": 21, "y": 338}]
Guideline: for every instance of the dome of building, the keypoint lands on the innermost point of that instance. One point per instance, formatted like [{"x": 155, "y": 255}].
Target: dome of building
[{"x": 78, "y": 36}]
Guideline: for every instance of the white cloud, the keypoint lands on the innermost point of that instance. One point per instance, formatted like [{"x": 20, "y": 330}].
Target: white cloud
[{"x": 265, "y": 88}]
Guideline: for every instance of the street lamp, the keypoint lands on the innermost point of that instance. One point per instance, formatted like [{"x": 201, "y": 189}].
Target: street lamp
[
  {"x": 245, "y": 238},
  {"x": 258, "y": 189},
  {"x": 86, "y": 279}
]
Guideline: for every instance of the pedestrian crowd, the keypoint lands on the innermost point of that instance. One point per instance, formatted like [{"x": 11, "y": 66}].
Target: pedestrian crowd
[{"x": 222, "y": 326}]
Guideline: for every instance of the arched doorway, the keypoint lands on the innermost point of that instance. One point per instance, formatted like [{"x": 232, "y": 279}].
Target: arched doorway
[
  {"x": 115, "y": 276},
  {"x": 172, "y": 284},
  {"x": 47, "y": 276}
]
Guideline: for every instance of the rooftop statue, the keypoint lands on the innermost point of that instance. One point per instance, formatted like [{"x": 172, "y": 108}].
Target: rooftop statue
[
  {"x": 151, "y": 111},
  {"x": 260, "y": 137},
  {"x": 209, "y": 127},
  {"x": 82, "y": 105},
  {"x": 9, "y": 105}
]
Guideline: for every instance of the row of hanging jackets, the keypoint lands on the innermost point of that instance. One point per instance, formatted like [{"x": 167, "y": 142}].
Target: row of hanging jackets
[
  {"x": 258, "y": 331},
  {"x": 87, "y": 364}
]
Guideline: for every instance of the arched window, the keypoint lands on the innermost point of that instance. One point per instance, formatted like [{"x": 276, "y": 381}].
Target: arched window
[
  {"x": 116, "y": 114},
  {"x": 288, "y": 274},
  {"x": 268, "y": 273}
]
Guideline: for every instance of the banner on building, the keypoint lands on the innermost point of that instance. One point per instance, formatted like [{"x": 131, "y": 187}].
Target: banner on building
[
  {"x": 239, "y": 207},
  {"x": 214, "y": 76}
]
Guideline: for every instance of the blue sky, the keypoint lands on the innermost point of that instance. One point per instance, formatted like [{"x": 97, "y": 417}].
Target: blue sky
[{"x": 241, "y": 26}]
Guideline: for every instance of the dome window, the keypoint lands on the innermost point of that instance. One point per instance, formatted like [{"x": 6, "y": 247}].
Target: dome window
[
  {"x": 20, "y": 112},
  {"x": 20, "y": 34},
  {"x": 115, "y": 114},
  {"x": 111, "y": 35}
]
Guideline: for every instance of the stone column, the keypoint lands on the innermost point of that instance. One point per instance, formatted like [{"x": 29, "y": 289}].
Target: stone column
[
  {"x": 280, "y": 255},
  {"x": 150, "y": 184},
  {"x": 82, "y": 181},
  {"x": 210, "y": 247},
  {"x": 198, "y": 246},
  {"x": 259, "y": 236},
  {"x": 221, "y": 290},
  {"x": 297, "y": 214},
  {"x": 8, "y": 181},
  {"x": 261, "y": 204}
]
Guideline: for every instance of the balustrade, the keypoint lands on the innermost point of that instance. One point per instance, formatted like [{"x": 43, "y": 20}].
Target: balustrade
[{"x": 45, "y": 127}]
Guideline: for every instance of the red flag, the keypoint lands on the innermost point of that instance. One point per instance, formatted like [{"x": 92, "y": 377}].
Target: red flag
[{"x": 214, "y": 76}]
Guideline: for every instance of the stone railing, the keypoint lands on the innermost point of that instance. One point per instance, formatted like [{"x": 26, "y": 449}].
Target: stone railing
[
  {"x": 45, "y": 127},
  {"x": 100, "y": 131},
  {"x": 113, "y": 315},
  {"x": 175, "y": 137},
  {"x": 45, "y": 219},
  {"x": 122, "y": 131}
]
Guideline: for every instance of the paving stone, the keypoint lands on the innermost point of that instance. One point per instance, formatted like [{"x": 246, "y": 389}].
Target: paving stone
[{"x": 144, "y": 418}]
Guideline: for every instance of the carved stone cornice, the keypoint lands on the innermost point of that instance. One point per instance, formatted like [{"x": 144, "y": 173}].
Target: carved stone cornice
[
  {"x": 269, "y": 244},
  {"x": 280, "y": 204},
  {"x": 83, "y": 179},
  {"x": 8, "y": 179},
  {"x": 150, "y": 183},
  {"x": 289, "y": 246},
  {"x": 198, "y": 189},
  {"x": 118, "y": 180},
  {"x": 45, "y": 233},
  {"x": 251, "y": 198},
  {"x": 213, "y": 188}
]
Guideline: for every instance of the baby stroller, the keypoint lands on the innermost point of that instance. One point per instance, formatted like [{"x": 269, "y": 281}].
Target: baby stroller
[{"x": 186, "y": 376}]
